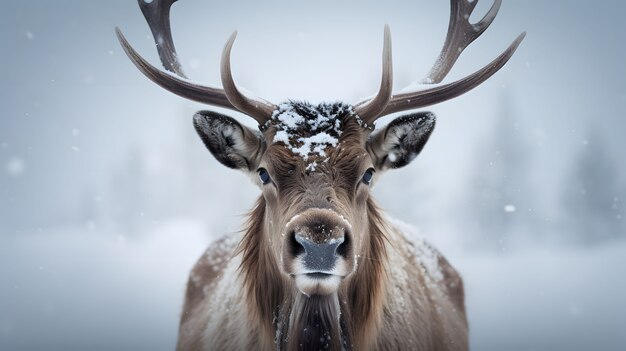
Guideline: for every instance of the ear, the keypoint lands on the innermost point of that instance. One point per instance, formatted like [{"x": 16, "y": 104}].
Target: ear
[
  {"x": 232, "y": 144},
  {"x": 401, "y": 140}
]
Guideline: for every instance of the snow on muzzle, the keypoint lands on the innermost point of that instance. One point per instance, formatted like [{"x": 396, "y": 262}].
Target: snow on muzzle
[{"x": 318, "y": 251}]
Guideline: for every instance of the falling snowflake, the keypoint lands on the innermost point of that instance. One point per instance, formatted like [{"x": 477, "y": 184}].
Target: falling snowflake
[
  {"x": 15, "y": 167},
  {"x": 509, "y": 208}
]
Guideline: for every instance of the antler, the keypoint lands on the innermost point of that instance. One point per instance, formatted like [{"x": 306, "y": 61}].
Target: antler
[
  {"x": 157, "y": 15},
  {"x": 461, "y": 33},
  {"x": 236, "y": 98},
  {"x": 370, "y": 110}
]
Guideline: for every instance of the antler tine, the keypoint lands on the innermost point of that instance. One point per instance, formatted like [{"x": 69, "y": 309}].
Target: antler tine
[
  {"x": 180, "y": 87},
  {"x": 370, "y": 110},
  {"x": 256, "y": 108},
  {"x": 461, "y": 33},
  {"x": 484, "y": 23},
  {"x": 418, "y": 99},
  {"x": 157, "y": 14}
]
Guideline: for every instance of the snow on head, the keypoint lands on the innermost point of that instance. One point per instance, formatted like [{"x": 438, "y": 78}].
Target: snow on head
[{"x": 307, "y": 130}]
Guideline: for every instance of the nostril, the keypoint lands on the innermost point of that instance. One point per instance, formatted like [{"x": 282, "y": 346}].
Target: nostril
[
  {"x": 295, "y": 247},
  {"x": 329, "y": 199},
  {"x": 342, "y": 249}
]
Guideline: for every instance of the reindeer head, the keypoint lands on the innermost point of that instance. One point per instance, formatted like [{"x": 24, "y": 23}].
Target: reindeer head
[{"x": 315, "y": 165}]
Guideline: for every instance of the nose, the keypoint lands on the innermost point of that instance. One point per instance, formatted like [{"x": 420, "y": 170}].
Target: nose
[
  {"x": 320, "y": 257},
  {"x": 318, "y": 241}
]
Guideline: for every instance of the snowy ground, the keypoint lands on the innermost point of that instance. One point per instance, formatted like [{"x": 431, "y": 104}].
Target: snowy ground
[
  {"x": 86, "y": 290},
  {"x": 72, "y": 289},
  {"x": 547, "y": 300}
]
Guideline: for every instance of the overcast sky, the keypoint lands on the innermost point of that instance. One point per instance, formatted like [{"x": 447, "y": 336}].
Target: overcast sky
[{"x": 72, "y": 103}]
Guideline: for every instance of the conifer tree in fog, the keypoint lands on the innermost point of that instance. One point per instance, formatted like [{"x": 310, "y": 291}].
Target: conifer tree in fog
[
  {"x": 592, "y": 194},
  {"x": 499, "y": 207},
  {"x": 128, "y": 194}
]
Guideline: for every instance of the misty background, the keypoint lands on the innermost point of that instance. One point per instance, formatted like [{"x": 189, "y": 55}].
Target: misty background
[{"x": 107, "y": 196}]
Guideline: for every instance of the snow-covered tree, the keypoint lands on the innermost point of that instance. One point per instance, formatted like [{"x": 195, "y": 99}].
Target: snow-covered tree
[
  {"x": 127, "y": 199},
  {"x": 592, "y": 194},
  {"x": 499, "y": 202}
]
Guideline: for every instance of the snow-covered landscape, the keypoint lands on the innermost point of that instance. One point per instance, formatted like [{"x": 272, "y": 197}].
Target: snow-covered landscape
[
  {"x": 108, "y": 196},
  {"x": 72, "y": 289}
]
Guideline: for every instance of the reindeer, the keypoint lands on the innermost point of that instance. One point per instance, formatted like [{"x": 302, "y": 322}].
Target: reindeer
[{"x": 319, "y": 266}]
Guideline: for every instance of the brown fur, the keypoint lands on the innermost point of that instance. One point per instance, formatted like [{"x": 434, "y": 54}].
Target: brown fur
[
  {"x": 203, "y": 275},
  {"x": 431, "y": 317},
  {"x": 390, "y": 301}
]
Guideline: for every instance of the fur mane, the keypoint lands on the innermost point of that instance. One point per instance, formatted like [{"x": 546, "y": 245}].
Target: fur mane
[
  {"x": 264, "y": 287},
  {"x": 289, "y": 320}
]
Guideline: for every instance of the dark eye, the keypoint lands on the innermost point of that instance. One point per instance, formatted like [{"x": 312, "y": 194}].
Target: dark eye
[
  {"x": 367, "y": 176},
  {"x": 264, "y": 176}
]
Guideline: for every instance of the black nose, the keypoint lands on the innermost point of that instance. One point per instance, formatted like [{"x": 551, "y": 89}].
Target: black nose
[{"x": 320, "y": 256}]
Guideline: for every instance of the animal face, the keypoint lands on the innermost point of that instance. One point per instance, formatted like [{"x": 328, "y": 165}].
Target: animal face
[{"x": 315, "y": 166}]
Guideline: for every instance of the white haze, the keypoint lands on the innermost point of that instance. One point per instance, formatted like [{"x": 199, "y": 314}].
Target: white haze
[{"x": 107, "y": 196}]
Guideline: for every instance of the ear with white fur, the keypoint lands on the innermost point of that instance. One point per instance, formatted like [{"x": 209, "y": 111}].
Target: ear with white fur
[
  {"x": 401, "y": 140},
  {"x": 231, "y": 143}
]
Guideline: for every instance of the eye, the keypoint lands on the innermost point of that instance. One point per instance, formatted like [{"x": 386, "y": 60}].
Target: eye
[
  {"x": 367, "y": 176},
  {"x": 264, "y": 176}
]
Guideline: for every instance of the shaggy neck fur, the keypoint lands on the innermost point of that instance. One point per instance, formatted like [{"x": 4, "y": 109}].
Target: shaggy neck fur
[
  {"x": 288, "y": 320},
  {"x": 311, "y": 324}
]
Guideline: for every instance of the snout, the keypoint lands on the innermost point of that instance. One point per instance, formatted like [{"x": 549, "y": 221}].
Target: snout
[
  {"x": 318, "y": 251},
  {"x": 320, "y": 257}
]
